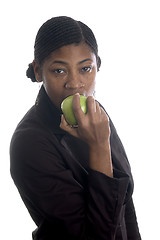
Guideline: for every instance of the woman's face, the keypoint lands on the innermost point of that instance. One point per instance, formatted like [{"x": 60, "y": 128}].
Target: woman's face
[{"x": 68, "y": 70}]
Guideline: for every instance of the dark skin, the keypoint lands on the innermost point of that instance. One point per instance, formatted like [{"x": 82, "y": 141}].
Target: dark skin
[{"x": 71, "y": 70}]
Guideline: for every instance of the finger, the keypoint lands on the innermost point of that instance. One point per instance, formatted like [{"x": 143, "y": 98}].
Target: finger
[
  {"x": 104, "y": 114},
  {"x": 91, "y": 105},
  {"x": 79, "y": 115},
  {"x": 98, "y": 108},
  {"x": 105, "y": 118}
]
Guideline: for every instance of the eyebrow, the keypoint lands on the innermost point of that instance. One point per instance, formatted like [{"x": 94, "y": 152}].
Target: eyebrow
[
  {"x": 65, "y": 63},
  {"x": 85, "y": 60},
  {"x": 59, "y": 62}
]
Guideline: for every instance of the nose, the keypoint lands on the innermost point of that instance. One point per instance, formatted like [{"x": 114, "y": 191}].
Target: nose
[{"x": 74, "y": 82}]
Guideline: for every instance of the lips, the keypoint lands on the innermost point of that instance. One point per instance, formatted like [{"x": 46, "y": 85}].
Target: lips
[{"x": 73, "y": 93}]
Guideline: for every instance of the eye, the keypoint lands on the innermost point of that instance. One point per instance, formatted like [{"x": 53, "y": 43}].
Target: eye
[
  {"x": 58, "y": 71},
  {"x": 86, "y": 69}
]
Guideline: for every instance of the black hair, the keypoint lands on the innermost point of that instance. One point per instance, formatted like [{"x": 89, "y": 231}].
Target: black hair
[{"x": 58, "y": 32}]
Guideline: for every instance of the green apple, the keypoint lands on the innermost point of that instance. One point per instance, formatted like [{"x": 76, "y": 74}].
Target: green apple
[{"x": 67, "y": 108}]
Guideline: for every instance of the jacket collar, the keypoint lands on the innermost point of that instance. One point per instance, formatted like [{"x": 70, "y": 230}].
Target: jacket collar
[{"x": 49, "y": 114}]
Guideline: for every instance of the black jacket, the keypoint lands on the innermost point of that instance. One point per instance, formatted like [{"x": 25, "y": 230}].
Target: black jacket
[{"x": 65, "y": 198}]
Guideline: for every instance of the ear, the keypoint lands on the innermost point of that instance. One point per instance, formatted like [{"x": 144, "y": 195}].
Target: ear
[
  {"x": 98, "y": 62},
  {"x": 37, "y": 71}
]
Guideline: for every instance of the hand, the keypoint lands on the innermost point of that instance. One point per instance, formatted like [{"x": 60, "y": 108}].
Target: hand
[{"x": 93, "y": 127}]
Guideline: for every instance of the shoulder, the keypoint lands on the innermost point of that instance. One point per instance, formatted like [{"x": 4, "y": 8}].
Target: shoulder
[
  {"x": 30, "y": 138},
  {"x": 30, "y": 128},
  {"x": 31, "y": 142},
  {"x": 33, "y": 148}
]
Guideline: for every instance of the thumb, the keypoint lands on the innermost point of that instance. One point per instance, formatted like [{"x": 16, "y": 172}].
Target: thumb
[{"x": 68, "y": 128}]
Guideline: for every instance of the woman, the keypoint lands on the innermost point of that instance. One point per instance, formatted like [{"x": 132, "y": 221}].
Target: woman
[{"x": 76, "y": 182}]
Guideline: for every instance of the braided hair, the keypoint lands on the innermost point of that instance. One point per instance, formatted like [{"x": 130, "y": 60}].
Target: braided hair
[{"x": 58, "y": 32}]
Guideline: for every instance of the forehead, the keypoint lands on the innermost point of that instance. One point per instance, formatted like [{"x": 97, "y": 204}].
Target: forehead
[{"x": 72, "y": 52}]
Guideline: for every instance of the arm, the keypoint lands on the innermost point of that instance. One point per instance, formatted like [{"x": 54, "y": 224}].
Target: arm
[{"x": 93, "y": 128}]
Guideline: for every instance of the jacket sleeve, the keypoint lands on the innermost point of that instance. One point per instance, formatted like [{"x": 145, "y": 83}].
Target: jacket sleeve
[
  {"x": 59, "y": 205},
  {"x": 120, "y": 160},
  {"x": 131, "y": 222}
]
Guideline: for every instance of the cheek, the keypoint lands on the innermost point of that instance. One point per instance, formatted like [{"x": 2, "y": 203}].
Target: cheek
[
  {"x": 92, "y": 88},
  {"x": 91, "y": 85},
  {"x": 48, "y": 81}
]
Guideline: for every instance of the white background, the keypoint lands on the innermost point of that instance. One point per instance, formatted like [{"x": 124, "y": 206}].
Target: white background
[{"x": 128, "y": 34}]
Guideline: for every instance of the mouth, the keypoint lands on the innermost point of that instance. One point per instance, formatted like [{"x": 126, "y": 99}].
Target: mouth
[{"x": 71, "y": 94}]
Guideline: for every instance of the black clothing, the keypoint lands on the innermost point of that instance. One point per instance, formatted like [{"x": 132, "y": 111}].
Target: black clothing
[{"x": 65, "y": 198}]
